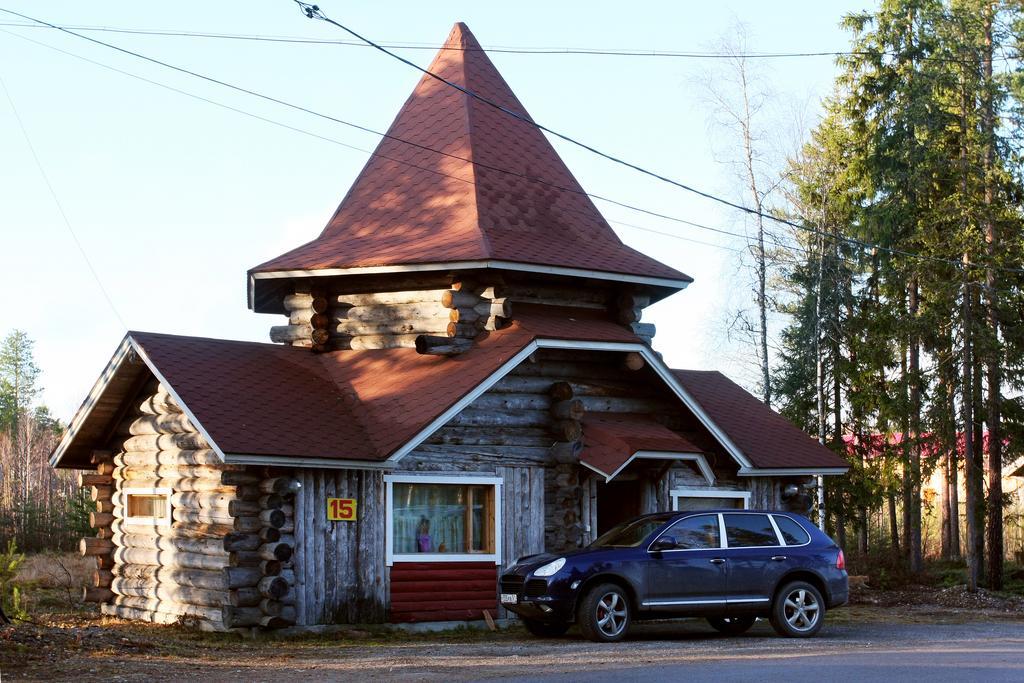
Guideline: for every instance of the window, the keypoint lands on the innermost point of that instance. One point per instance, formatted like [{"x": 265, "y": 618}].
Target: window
[
  {"x": 792, "y": 532},
  {"x": 630, "y": 534},
  {"x": 696, "y": 533},
  {"x": 443, "y": 518},
  {"x": 749, "y": 531},
  {"x": 709, "y": 499},
  {"x": 147, "y": 506}
]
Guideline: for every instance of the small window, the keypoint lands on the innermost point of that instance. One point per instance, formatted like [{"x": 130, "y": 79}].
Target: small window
[
  {"x": 749, "y": 531},
  {"x": 148, "y": 506},
  {"x": 696, "y": 533},
  {"x": 443, "y": 519},
  {"x": 792, "y": 532}
]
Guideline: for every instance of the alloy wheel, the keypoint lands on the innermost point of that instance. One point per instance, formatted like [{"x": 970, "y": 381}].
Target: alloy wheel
[
  {"x": 801, "y": 610},
  {"x": 611, "y": 614}
]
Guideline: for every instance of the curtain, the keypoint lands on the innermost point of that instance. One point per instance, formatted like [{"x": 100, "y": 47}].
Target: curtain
[{"x": 433, "y": 518}]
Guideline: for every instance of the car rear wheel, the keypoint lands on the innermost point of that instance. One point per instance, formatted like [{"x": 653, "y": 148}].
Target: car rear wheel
[
  {"x": 543, "y": 629},
  {"x": 732, "y": 626},
  {"x": 604, "y": 613},
  {"x": 798, "y": 610}
]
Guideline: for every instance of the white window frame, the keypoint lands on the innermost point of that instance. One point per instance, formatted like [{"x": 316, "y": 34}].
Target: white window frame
[
  {"x": 676, "y": 494},
  {"x": 392, "y": 557},
  {"x": 148, "y": 491}
]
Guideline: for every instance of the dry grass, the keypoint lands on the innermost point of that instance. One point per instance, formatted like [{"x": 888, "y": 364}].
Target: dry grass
[{"x": 56, "y": 570}]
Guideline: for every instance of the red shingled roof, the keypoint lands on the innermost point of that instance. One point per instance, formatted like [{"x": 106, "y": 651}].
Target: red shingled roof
[
  {"x": 267, "y": 399},
  {"x": 768, "y": 440},
  {"x": 412, "y": 205},
  {"x": 611, "y": 439}
]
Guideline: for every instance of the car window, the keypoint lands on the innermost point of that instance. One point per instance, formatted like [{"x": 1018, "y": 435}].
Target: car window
[
  {"x": 630, "y": 534},
  {"x": 698, "y": 532},
  {"x": 792, "y": 532},
  {"x": 745, "y": 531}
]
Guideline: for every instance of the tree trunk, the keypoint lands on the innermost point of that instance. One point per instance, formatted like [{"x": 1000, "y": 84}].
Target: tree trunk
[
  {"x": 993, "y": 372},
  {"x": 894, "y": 527},
  {"x": 913, "y": 531},
  {"x": 967, "y": 406}
]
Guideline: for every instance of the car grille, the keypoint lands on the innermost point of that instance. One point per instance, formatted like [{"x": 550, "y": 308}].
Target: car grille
[
  {"x": 536, "y": 588},
  {"x": 511, "y": 584}
]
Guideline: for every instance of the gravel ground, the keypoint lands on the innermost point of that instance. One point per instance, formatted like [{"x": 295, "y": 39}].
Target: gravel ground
[{"x": 912, "y": 638}]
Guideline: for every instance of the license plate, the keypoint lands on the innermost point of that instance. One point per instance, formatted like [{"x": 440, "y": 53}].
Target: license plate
[{"x": 509, "y": 598}]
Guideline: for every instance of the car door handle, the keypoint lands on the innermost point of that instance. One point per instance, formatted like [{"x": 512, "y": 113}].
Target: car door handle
[
  {"x": 717, "y": 560},
  {"x": 778, "y": 558}
]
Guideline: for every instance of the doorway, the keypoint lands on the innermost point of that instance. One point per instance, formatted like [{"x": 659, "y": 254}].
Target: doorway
[{"x": 617, "y": 501}]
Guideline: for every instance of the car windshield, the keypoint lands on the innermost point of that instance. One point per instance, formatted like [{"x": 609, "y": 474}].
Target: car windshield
[{"x": 630, "y": 534}]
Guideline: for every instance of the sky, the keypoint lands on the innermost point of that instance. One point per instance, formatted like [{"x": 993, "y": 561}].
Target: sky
[{"x": 173, "y": 198}]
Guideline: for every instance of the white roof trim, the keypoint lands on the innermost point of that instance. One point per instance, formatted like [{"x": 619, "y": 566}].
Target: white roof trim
[
  {"x": 295, "y": 461},
  {"x": 668, "y": 377},
  {"x": 83, "y": 412},
  {"x": 653, "y": 359},
  {"x": 466, "y": 265},
  {"x": 120, "y": 356},
  {"x": 795, "y": 471},
  {"x": 447, "y": 415},
  {"x": 696, "y": 458},
  {"x": 177, "y": 399}
]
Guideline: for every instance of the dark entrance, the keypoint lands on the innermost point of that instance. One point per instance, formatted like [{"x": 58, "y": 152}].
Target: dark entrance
[{"x": 617, "y": 501}]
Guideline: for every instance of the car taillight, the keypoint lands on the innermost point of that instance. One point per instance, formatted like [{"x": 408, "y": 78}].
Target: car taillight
[{"x": 841, "y": 561}]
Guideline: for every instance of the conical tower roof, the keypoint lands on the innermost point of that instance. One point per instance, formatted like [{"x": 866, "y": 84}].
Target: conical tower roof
[{"x": 459, "y": 184}]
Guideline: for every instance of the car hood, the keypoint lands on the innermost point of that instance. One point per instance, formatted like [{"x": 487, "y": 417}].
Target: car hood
[{"x": 528, "y": 563}]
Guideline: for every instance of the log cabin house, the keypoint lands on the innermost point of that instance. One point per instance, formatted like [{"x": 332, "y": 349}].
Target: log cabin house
[{"x": 461, "y": 377}]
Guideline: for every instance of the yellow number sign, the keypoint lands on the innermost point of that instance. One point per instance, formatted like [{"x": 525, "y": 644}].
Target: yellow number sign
[{"x": 341, "y": 509}]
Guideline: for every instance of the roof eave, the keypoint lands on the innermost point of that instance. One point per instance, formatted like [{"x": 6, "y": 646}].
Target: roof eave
[
  {"x": 792, "y": 471},
  {"x": 667, "y": 286},
  {"x": 127, "y": 351}
]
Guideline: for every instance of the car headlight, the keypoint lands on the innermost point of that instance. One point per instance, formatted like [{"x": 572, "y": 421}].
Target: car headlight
[{"x": 551, "y": 568}]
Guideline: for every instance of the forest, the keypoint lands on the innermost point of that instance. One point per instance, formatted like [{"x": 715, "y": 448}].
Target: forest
[
  {"x": 894, "y": 259},
  {"x": 41, "y": 509}
]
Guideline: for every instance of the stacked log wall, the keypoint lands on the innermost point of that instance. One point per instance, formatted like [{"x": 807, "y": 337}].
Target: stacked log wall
[
  {"x": 100, "y": 548},
  {"x": 531, "y": 419},
  {"x": 444, "y": 318},
  {"x": 206, "y": 565}
]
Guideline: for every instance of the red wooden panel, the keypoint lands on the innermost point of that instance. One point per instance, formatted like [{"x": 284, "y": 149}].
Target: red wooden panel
[
  {"x": 420, "y": 586},
  {"x": 443, "y": 591}
]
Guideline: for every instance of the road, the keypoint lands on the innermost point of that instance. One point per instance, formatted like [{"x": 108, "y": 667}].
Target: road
[
  {"x": 871, "y": 652},
  {"x": 863, "y": 645},
  {"x": 991, "y": 651}
]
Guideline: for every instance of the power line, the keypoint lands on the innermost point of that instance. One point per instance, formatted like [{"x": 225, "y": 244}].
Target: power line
[
  {"x": 491, "y": 49},
  {"x": 410, "y": 45},
  {"x": 56, "y": 201},
  {"x": 392, "y": 159},
  {"x": 795, "y": 248},
  {"x": 314, "y": 12},
  {"x": 867, "y": 246},
  {"x": 365, "y": 129}
]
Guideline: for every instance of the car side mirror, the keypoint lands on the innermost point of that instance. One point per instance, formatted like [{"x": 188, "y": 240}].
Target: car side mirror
[{"x": 663, "y": 543}]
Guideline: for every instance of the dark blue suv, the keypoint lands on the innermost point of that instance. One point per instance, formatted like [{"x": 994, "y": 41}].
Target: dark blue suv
[{"x": 729, "y": 566}]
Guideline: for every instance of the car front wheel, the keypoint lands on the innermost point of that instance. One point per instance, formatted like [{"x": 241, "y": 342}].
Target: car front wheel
[
  {"x": 798, "y": 610},
  {"x": 732, "y": 626},
  {"x": 604, "y": 613},
  {"x": 543, "y": 629}
]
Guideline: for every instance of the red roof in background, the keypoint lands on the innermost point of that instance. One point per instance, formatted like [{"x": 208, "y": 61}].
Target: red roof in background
[
  {"x": 413, "y": 205},
  {"x": 611, "y": 439},
  {"x": 767, "y": 439},
  {"x": 268, "y": 399},
  {"x": 876, "y": 444}
]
